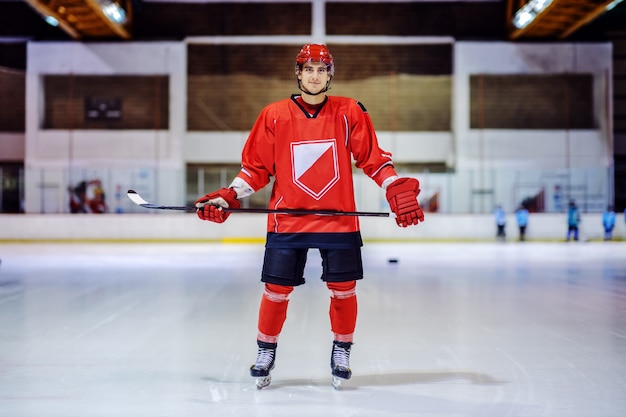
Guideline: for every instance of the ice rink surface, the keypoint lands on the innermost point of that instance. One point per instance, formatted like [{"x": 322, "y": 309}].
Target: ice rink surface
[{"x": 467, "y": 329}]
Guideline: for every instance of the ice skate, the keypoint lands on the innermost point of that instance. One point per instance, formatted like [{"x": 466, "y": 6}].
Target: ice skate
[
  {"x": 340, "y": 363},
  {"x": 264, "y": 364}
]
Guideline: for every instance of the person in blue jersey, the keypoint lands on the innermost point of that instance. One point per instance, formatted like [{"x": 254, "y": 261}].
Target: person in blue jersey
[
  {"x": 608, "y": 222},
  {"x": 573, "y": 220},
  {"x": 500, "y": 217},
  {"x": 521, "y": 215}
]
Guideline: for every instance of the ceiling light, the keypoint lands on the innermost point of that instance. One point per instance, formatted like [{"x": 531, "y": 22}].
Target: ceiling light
[
  {"x": 612, "y": 4},
  {"x": 51, "y": 20},
  {"x": 522, "y": 19},
  {"x": 113, "y": 12},
  {"x": 524, "y": 16}
]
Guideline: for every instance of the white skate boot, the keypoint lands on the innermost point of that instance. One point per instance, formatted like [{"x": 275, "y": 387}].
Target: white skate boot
[
  {"x": 340, "y": 362},
  {"x": 264, "y": 364}
]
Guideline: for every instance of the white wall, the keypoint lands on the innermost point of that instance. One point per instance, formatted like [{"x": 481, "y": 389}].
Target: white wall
[
  {"x": 89, "y": 149},
  {"x": 532, "y": 148},
  {"x": 166, "y": 152}
]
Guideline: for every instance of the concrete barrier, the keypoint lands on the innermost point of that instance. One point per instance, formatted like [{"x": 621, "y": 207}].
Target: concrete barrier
[{"x": 165, "y": 226}]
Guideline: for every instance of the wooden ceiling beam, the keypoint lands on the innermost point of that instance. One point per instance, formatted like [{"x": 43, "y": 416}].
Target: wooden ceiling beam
[
  {"x": 558, "y": 20},
  {"x": 63, "y": 24},
  {"x": 83, "y": 19}
]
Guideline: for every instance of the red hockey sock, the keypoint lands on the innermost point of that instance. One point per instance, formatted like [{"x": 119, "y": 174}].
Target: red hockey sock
[
  {"x": 343, "y": 309},
  {"x": 273, "y": 312}
]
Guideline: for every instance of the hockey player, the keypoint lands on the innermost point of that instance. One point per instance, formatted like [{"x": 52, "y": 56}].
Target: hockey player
[
  {"x": 608, "y": 222},
  {"x": 573, "y": 220},
  {"x": 307, "y": 143}
]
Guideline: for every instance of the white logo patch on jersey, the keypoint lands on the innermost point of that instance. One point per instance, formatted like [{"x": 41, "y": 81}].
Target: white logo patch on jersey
[{"x": 314, "y": 166}]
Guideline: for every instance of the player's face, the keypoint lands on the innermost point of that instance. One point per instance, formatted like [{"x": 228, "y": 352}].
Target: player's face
[{"x": 314, "y": 77}]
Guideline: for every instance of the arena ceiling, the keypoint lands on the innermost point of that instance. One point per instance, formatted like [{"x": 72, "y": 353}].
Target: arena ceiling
[{"x": 135, "y": 19}]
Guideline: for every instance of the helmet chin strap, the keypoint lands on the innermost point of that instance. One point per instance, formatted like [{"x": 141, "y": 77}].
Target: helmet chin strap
[{"x": 313, "y": 94}]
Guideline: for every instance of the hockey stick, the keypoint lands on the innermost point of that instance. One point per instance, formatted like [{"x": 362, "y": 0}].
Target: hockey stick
[{"x": 137, "y": 199}]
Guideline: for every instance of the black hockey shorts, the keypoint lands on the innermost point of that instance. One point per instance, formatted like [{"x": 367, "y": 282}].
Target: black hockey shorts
[{"x": 286, "y": 266}]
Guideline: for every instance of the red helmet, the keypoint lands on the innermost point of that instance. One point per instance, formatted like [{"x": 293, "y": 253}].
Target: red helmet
[{"x": 312, "y": 52}]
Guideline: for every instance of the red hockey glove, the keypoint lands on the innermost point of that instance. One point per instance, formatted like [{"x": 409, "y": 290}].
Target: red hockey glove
[
  {"x": 210, "y": 206},
  {"x": 402, "y": 197}
]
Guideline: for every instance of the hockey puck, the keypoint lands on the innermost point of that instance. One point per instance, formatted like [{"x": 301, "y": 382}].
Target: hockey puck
[{"x": 392, "y": 260}]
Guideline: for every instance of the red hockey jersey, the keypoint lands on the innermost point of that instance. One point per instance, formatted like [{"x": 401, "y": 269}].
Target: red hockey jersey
[{"x": 310, "y": 157}]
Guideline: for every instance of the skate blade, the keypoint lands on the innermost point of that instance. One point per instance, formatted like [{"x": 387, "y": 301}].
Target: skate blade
[
  {"x": 337, "y": 382},
  {"x": 263, "y": 382}
]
